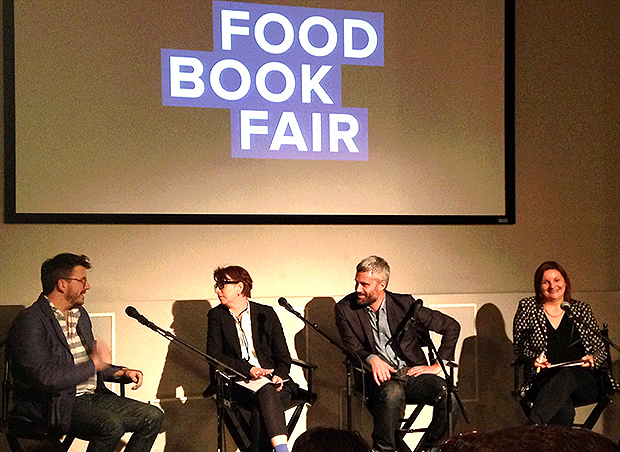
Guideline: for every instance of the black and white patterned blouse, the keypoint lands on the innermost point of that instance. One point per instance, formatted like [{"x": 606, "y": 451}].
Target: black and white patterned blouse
[{"x": 530, "y": 334}]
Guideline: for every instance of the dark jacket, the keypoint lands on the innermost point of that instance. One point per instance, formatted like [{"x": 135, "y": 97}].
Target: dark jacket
[
  {"x": 267, "y": 336},
  {"x": 356, "y": 333},
  {"x": 530, "y": 336},
  {"x": 45, "y": 376}
]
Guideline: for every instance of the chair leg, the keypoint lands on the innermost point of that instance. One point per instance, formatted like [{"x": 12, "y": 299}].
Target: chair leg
[
  {"x": 67, "y": 442},
  {"x": 13, "y": 443},
  {"x": 421, "y": 442},
  {"x": 595, "y": 414},
  {"x": 238, "y": 429},
  {"x": 294, "y": 418},
  {"x": 401, "y": 445},
  {"x": 47, "y": 444}
]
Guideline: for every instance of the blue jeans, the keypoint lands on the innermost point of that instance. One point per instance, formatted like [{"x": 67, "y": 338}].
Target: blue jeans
[
  {"x": 387, "y": 406},
  {"x": 103, "y": 418}
]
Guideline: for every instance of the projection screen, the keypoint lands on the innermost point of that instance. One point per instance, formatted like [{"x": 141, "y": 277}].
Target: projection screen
[{"x": 280, "y": 111}]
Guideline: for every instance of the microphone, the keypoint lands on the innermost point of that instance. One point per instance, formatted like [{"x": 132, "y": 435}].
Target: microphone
[
  {"x": 286, "y": 305},
  {"x": 133, "y": 312},
  {"x": 415, "y": 309},
  {"x": 565, "y": 305},
  {"x": 411, "y": 315}
]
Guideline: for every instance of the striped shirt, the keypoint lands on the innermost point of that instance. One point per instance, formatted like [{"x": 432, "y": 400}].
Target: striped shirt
[{"x": 68, "y": 324}]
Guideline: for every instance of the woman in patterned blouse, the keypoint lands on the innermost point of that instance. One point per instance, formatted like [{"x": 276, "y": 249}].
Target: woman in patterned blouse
[{"x": 549, "y": 329}]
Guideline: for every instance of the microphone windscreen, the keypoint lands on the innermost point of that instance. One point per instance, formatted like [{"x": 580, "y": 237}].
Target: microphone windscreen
[{"x": 132, "y": 312}]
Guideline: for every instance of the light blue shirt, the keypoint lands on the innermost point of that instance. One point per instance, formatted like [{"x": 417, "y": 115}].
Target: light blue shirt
[{"x": 382, "y": 334}]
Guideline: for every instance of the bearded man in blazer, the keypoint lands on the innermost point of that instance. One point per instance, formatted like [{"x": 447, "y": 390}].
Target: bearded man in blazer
[
  {"x": 59, "y": 368},
  {"x": 374, "y": 324}
]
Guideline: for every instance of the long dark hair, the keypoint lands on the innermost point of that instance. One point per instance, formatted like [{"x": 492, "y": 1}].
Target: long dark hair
[{"x": 538, "y": 276}]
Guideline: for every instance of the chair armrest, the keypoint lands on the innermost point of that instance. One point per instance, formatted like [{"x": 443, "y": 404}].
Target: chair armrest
[
  {"x": 355, "y": 365},
  {"x": 519, "y": 367},
  {"x": 303, "y": 364},
  {"x": 306, "y": 394},
  {"x": 122, "y": 380},
  {"x": 519, "y": 361}
]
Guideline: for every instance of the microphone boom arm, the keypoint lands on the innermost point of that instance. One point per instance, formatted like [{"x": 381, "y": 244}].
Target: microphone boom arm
[
  {"x": 350, "y": 354},
  {"x": 175, "y": 340}
]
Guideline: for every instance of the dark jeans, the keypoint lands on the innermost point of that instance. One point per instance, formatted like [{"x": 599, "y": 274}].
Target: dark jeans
[
  {"x": 555, "y": 394},
  {"x": 103, "y": 418},
  {"x": 387, "y": 406},
  {"x": 266, "y": 407}
]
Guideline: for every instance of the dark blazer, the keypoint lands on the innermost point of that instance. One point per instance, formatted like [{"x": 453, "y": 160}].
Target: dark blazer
[
  {"x": 267, "y": 336},
  {"x": 530, "y": 336},
  {"x": 45, "y": 376},
  {"x": 356, "y": 333}
]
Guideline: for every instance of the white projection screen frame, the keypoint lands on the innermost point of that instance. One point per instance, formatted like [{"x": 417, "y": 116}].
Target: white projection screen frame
[{"x": 262, "y": 112}]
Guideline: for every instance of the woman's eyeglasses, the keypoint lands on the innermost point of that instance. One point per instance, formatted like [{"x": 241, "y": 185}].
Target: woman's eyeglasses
[{"x": 220, "y": 284}]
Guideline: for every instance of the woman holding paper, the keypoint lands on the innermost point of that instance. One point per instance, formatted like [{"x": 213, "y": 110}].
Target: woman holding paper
[
  {"x": 248, "y": 337},
  {"x": 558, "y": 337}
]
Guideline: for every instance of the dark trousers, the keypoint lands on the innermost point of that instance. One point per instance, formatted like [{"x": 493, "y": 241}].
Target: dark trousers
[
  {"x": 103, "y": 418},
  {"x": 387, "y": 406},
  {"x": 266, "y": 407},
  {"x": 555, "y": 394}
]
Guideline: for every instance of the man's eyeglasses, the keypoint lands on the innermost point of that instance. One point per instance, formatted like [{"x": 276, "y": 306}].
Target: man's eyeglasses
[
  {"x": 83, "y": 281},
  {"x": 220, "y": 284}
]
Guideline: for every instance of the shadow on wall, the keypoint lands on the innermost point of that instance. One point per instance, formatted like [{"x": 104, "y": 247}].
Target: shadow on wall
[
  {"x": 7, "y": 315},
  {"x": 611, "y": 415},
  {"x": 191, "y": 421},
  {"x": 486, "y": 376},
  {"x": 330, "y": 377}
]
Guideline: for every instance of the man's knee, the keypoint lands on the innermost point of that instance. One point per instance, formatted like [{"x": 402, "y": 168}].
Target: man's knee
[
  {"x": 432, "y": 390},
  {"x": 111, "y": 428},
  {"x": 392, "y": 393},
  {"x": 153, "y": 418},
  {"x": 441, "y": 391}
]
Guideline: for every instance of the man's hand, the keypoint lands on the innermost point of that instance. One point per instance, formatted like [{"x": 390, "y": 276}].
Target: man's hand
[
  {"x": 381, "y": 371},
  {"x": 101, "y": 356},
  {"x": 135, "y": 375},
  {"x": 419, "y": 370}
]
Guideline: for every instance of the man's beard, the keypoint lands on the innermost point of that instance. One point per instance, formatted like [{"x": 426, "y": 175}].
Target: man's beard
[
  {"x": 76, "y": 299},
  {"x": 367, "y": 300}
]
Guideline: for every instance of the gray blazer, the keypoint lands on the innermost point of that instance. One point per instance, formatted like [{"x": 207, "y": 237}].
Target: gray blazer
[{"x": 45, "y": 376}]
